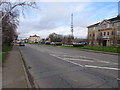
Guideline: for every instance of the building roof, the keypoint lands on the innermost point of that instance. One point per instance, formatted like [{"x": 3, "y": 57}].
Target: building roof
[
  {"x": 107, "y": 20},
  {"x": 34, "y": 36}
]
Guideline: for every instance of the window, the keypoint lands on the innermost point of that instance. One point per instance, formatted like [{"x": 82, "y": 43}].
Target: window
[
  {"x": 108, "y": 25},
  {"x": 118, "y": 32},
  {"x": 90, "y": 35},
  {"x": 96, "y": 27},
  {"x": 93, "y": 34},
  {"x": 115, "y": 24},
  {"x": 93, "y": 28},
  {"x": 104, "y": 26},
  {"x": 100, "y": 33},
  {"x": 107, "y": 33},
  {"x": 104, "y": 33},
  {"x": 96, "y": 34},
  {"x": 100, "y": 26},
  {"x": 112, "y": 33},
  {"x": 112, "y": 24},
  {"x": 118, "y": 41},
  {"x": 118, "y": 23}
]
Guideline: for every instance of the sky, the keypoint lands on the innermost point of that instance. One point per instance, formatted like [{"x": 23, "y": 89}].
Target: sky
[{"x": 55, "y": 17}]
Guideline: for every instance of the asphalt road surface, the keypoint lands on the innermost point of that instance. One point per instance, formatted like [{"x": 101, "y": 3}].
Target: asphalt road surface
[{"x": 59, "y": 67}]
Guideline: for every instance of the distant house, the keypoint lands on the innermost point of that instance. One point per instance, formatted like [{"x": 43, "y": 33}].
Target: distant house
[
  {"x": 34, "y": 39},
  {"x": 25, "y": 40}
]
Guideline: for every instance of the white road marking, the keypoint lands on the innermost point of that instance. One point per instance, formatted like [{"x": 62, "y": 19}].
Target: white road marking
[
  {"x": 67, "y": 60},
  {"x": 75, "y": 63},
  {"x": 73, "y": 59},
  {"x": 88, "y": 59},
  {"x": 101, "y": 67},
  {"x": 103, "y": 61},
  {"x": 88, "y": 66},
  {"x": 118, "y": 79}
]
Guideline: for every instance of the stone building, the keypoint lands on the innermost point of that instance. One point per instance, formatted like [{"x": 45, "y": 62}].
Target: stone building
[
  {"x": 105, "y": 33},
  {"x": 34, "y": 39}
]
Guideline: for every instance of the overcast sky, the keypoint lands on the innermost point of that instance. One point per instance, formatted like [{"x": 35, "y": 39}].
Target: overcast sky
[{"x": 55, "y": 17}]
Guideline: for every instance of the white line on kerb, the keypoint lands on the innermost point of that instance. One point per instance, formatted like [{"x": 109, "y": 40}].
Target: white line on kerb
[{"x": 101, "y": 67}]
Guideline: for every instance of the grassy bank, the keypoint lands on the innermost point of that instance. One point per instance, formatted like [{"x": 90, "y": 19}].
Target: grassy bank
[
  {"x": 97, "y": 48},
  {"x": 103, "y": 48},
  {"x": 5, "y": 52}
]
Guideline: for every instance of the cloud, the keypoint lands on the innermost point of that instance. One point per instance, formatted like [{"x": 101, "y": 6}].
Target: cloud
[
  {"x": 78, "y": 32},
  {"x": 56, "y": 17}
]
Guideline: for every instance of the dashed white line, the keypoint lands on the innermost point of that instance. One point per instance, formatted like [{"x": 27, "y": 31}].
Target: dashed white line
[
  {"x": 75, "y": 63},
  {"x": 118, "y": 79},
  {"x": 73, "y": 59},
  {"x": 68, "y": 60},
  {"x": 90, "y": 66},
  {"x": 103, "y": 61}
]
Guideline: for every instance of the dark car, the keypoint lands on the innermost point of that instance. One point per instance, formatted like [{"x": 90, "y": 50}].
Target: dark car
[
  {"x": 75, "y": 44},
  {"x": 47, "y": 42},
  {"x": 58, "y": 43},
  {"x": 21, "y": 44}
]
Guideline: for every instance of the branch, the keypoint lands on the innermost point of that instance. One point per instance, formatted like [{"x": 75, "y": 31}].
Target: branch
[{"x": 20, "y": 4}]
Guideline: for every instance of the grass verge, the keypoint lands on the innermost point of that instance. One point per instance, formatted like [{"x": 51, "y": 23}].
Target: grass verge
[
  {"x": 97, "y": 48},
  {"x": 5, "y": 52}
]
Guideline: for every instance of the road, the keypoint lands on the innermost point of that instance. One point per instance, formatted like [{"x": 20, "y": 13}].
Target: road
[{"x": 59, "y": 67}]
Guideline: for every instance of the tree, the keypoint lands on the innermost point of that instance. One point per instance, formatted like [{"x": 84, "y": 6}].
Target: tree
[
  {"x": 68, "y": 39},
  {"x": 9, "y": 26},
  {"x": 9, "y": 19},
  {"x": 55, "y": 37},
  {"x": 8, "y": 7}
]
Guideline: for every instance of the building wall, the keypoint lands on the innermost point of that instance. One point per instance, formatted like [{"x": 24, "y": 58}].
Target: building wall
[
  {"x": 32, "y": 39},
  {"x": 104, "y": 32}
]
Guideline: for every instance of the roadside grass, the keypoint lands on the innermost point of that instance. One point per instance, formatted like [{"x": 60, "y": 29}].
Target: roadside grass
[
  {"x": 0, "y": 57},
  {"x": 103, "y": 48},
  {"x": 5, "y": 52},
  {"x": 97, "y": 48}
]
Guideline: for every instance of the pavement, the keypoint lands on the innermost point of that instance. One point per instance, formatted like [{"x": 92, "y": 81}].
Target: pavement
[
  {"x": 0, "y": 75},
  {"x": 13, "y": 73},
  {"x": 58, "y": 67}
]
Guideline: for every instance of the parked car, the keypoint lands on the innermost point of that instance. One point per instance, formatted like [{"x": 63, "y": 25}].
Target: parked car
[
  {"x": 58, "y": 43},
  {"x": 47, "y": 42},
  {"x": 75, "y": 44},
  {"x": 42, "y": 42},
  {"x": 21, "y": 44},
  {"x": 52, "y": 43}
]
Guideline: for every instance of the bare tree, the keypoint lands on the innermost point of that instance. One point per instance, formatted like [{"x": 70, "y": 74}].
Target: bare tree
[
  {"x": 55, "y": 37},
  {"x": 9, "y": 26},
  {"x": 9, "y": 18},
  {"x": 9, "y": 6}
]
